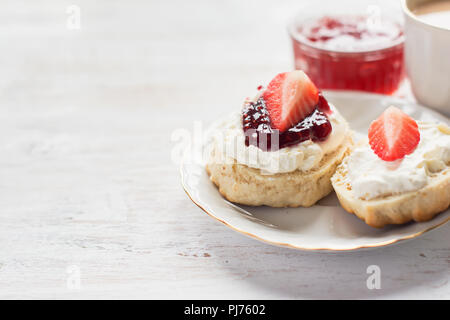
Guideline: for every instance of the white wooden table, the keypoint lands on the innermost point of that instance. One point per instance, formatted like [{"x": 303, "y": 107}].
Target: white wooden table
[{"x": 91, "y": 204}]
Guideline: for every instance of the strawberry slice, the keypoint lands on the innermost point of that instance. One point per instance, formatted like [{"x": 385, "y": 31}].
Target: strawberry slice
[
  {"x": 290, "y": 97},
  {"x": 393, "y": 135}
]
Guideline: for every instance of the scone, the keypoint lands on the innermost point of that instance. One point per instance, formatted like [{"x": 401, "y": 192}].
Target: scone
[
  {"x": 282, "y": 148},
  {"x": 401, "y": 174}
]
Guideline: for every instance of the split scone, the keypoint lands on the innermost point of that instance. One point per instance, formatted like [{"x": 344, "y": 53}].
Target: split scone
[
  {"x": 401, "y": 174},
  {"x": 282, "y": 148}
]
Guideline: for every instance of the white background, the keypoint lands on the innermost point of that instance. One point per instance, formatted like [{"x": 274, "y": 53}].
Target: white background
[{"x": 86, "y": 177}]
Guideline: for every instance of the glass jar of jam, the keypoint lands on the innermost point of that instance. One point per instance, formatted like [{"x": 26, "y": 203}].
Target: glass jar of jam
[{"x": 350, "y": 45}]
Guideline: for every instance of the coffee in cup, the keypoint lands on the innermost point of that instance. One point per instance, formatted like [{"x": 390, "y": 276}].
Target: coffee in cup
[{"x": 427, "y": 51}]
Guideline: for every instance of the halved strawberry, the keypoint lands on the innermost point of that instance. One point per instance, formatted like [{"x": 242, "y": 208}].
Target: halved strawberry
[
  {"x": 290, "y": 97},
  {"x": 393, "y": 135}
]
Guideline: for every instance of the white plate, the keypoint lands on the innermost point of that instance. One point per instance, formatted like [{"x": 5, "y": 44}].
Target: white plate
[{"x": 325, "y": 226}]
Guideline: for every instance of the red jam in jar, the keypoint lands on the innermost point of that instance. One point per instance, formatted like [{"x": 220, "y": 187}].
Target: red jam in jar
[{"x": 350, "y": 53}]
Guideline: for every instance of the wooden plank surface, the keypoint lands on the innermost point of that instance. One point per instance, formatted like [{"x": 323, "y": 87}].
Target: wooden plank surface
[{"x": 87, "y": 182}]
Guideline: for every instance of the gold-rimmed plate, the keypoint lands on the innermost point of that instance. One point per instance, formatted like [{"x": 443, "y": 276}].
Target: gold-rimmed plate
[{"x": 325, "y": 226}]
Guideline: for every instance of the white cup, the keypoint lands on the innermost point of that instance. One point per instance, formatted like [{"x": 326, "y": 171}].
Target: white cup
[{"x": 427, "y": 56}]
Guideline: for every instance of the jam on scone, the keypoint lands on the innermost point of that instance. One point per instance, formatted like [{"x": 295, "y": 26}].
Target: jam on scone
[
  {"x": 289, "y": 111},
  {"x": 281, "y": 148}
]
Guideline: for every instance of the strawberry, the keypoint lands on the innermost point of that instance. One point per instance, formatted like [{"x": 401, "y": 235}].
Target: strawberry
[
  {"x": 393, "y": 135},
  {"x": 290, "y": 97}
]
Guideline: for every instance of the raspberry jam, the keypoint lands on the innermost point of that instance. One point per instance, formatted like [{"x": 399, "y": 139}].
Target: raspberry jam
[
  {"x": 350, "y": 53},
  {"x": 258, "y": 132}
]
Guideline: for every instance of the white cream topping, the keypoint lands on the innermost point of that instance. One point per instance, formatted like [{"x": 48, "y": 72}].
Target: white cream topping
[
  {"x": 370, "y": 177},
  {"x": 230, "y": 139}
]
